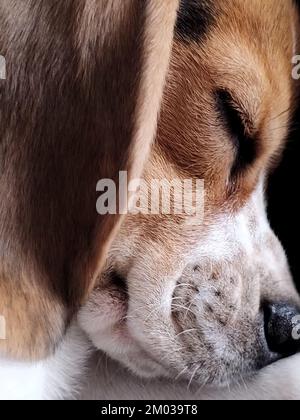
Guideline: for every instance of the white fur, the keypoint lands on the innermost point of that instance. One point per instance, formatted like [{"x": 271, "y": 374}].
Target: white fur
[
  {"x": 65, "y": 376},
  {"x": 143, "y": 337},
  {"x": 59, "y": 377},
  {"x": 109, "y": 381}
]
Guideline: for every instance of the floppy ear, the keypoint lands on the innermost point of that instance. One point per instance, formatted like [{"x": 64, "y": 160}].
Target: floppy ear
[{"x": 84, "y": 82}]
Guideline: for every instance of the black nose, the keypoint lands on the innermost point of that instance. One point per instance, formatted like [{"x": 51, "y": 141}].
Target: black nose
[{"x": 282, "y": 324}]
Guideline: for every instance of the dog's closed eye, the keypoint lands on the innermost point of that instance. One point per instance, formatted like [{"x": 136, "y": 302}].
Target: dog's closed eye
[{"x": 240, "y": 129}]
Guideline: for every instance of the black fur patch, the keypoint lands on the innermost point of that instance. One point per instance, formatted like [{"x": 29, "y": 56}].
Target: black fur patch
[{"x": 194, "y": 19}]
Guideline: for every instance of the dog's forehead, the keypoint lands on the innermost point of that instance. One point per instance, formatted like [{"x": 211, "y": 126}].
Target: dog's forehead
[
  {"x": 228, "y": 46},
  {"x": 197, "y": 17}
]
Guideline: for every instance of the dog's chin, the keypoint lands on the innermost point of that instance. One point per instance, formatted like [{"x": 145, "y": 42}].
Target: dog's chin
[{"x": 106, "y": 321}]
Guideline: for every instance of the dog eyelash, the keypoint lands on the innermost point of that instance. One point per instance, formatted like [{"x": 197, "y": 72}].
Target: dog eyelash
[{"x": 238, "y": 127}]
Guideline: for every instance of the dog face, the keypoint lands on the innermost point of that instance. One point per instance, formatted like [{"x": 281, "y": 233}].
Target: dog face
[{"x": 196, "y": 299}]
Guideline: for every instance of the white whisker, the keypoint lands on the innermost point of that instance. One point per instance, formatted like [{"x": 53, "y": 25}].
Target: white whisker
[
  {"x": 186, "y": 332},
  {"x": 192, "y": 377}
]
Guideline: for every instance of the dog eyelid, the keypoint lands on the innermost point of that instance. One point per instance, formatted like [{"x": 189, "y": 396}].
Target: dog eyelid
[
  {"x": 229, "y": 105},
  {"x": 239, "y": 127}
]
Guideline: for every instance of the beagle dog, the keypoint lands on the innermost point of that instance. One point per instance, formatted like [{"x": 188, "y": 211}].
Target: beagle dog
[{"x": 176, "y": 89}]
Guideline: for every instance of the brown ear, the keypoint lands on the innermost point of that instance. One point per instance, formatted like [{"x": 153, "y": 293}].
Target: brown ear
[{"x": 84, "y": 81}]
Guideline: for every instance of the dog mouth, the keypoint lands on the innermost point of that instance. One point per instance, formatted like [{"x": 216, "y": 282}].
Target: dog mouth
[
  {"x": 115, "y": 333},
  {"x": 105, "y": 318},
  {"x": 154, "y": 343},
  {"x": 118, "y": 296}
]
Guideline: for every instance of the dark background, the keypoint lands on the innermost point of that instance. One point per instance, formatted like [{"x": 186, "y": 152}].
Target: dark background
[{"x": 284, "y": 196}]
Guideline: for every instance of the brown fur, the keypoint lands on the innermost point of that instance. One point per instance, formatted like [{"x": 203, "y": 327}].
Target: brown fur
[
  {"x": 191, "y": 142},
  {"x": 71, "y": 113},
  {"x": 255, "y": 66},
  {"x": 84, "y": 85}
]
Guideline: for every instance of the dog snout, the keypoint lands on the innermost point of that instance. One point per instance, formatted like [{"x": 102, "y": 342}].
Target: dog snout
[{"x": 282, "y": 327}]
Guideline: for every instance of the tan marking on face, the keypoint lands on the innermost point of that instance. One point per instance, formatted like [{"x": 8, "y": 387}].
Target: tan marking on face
[{"x": 254, "y": 66}]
